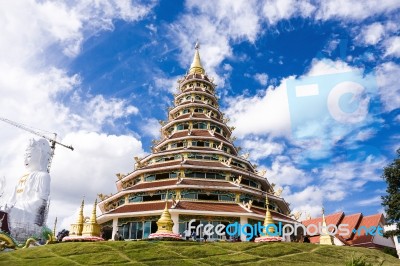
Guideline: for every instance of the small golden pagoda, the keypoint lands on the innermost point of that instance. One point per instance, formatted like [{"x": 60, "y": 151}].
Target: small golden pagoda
[
  {"x": 268, "y": 235},
  {"x": 85, "y": 229},
  {"x": 92, "y": 228},
  {"x": 325, "y": 238},
  {"x": 77, "y": 228},
  {"x": 165, "y": 225}
]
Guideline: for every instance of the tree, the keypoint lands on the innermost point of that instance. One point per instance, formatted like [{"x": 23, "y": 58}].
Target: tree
[{"x": 391, "y": 202}]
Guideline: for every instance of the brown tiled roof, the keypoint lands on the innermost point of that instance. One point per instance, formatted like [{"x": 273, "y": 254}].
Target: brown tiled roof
[
  {"x": 209, "y": 206},
  {"x": 141, "y": 207},
  {"x": 330, "y": 219},
  {"x": 353, "y": 221},
  {"x": 367, "y": 221},
  {"x": 273, "y": 213}
]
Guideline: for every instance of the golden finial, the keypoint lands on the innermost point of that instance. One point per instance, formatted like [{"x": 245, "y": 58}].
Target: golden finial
[{"x": 196, "y": 67}]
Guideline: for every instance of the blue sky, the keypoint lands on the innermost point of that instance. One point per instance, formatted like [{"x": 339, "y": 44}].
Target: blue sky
[{"x": 103, "y": 74}]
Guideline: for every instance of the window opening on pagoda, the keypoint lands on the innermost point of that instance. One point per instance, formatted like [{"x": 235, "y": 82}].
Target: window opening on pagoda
[
  {"x": 185, "y": 111},
  {"x": 177, "y": 145},
  {"x": 200, "y": 125},
  {"x": 135, "y": 199},
  {"x": 203, "y": 157},
  {"x": 197, "y": 97},
  {"x": 182, "y": 126},
  {"x": 250, "y": 183},
  {"x": 121, "y": 201},
  {"x": 200, "y": 143},
  {"x": 208, "y": 196},
  {"x": 217, "y": 128},
  {"x": 207, "y": 175},
  {"x": 198, "y": 84},
  {"x": 198, "y": 110}
]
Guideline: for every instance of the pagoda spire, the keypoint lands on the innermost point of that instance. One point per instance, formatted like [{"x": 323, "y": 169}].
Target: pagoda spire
[
  {"x": 93, "y": 218},
  {"x": 196, "y": 67},
  {"x": 268, "y": 219},
  {"x": 325, "y": 238}
]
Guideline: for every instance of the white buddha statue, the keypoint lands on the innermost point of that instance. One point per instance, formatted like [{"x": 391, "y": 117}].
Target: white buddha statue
[{"x": 27, "y": 206}]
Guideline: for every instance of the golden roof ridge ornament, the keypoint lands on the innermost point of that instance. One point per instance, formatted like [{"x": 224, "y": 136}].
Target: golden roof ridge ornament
[{"x": 196, "y": 67}]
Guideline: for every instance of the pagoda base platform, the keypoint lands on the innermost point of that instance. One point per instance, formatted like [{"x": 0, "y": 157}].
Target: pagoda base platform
[
  {"x": 82, "y": 239},
  {"x": 268, "y": 239},
  {"x": 164, "y": 235}
]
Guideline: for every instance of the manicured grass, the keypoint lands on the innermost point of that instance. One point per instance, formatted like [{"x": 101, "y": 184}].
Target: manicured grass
[{"x": 157, "y": 253}]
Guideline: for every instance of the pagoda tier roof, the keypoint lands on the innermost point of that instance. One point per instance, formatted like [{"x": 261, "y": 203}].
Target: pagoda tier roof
[
  {"x": 196, "y": 76},
  {"x": 195, "y": 115},
  {"x": 189, "y": 103},
  {"x": 196, "y": 89},
  {"x": 274, "y": 214},
  {"x": 195, "y": 149},
  {"x": 193, "y": 118},
  {"x": 211, "y": 207},
  {"x": 187, "y": 163},
  {"x": 197, "y": 133},
  {"x": 141, "y": 207},
  {"x": 184, "y": 181}
]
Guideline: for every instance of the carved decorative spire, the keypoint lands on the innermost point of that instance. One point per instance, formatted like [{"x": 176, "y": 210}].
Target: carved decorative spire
[
  {"x": 268, "y": 218},
  {"x": 165, "y": 223},
  {"x": 325, "y": 238},
  {"x": 93, "y": 218},
  {"x": 80, "y": 219},
  {"x": 196, "y": 67}
]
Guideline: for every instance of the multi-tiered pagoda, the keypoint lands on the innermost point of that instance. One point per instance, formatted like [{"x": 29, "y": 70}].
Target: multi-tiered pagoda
[{"x": 197, "y": 164}]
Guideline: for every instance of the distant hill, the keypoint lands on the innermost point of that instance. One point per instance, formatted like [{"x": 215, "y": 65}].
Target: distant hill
[{"x": 159, "y": 253}]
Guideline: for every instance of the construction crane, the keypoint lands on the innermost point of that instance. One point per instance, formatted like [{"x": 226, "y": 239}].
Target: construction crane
[{"x": 52, "y": 141}]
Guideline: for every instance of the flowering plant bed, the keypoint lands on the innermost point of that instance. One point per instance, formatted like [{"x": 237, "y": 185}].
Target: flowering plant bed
[
  {"x": 268, "y": 239},
  {"x": 165, "y": 236},
  {"x": 82, "y": 239}
]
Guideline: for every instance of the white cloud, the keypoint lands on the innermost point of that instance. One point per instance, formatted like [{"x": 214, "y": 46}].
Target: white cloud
[
  {"x": 371, "y": 34},
  {"x": 151, "y": 127},
  {"x": 268, "y": 114},
  {"x": 276, "y": 10},
  {"x": 387, "y": 78},
  {"x": 353, "y": 9},
  {"x": 309, "y": 199},
  {"x": 103, "y": 110},
  {"x": 284, "y": 172},
  {"x": 392, "y": 46},
  {"x": 372, "y": 201},
  {"x": 262, "y": 78},
  {"x": 260, "y": 148}
]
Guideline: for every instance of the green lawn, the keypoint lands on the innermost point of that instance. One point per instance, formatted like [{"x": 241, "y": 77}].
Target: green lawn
[{"x": 190, "y": 253}]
